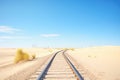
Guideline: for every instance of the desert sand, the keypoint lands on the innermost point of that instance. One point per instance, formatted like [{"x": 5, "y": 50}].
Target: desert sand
[
  {"x": 104, "y": 61},
  {"x": 10, "y": 70}
]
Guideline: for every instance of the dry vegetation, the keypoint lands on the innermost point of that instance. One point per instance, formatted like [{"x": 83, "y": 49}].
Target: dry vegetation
[
  {"x": 72, "y": 49},
  {"x": 23, "y": 56}
]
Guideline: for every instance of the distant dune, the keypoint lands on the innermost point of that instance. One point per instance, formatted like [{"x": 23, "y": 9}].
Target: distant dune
[{"x": 104, "y": 61}]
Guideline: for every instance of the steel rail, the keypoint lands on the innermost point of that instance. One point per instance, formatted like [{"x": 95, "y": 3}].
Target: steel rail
[
  {"x": 78, "y": 75},
  {"x": 41, "y": 76}
]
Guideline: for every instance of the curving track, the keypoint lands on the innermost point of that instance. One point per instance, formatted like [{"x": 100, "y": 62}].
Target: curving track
[{"x": 59, "y": 67}]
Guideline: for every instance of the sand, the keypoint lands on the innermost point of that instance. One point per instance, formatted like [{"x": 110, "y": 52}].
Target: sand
[
  {"x": 10, "y": 70},
  {"x": 104, "y": 61}
]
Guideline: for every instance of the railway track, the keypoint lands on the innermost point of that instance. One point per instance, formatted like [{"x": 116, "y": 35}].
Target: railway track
[{"x": 59, "y": 67}]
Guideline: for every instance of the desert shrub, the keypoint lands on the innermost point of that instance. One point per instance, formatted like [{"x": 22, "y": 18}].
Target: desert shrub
[
  {"x": 72, "y": 49},
  {"x": 50, "y": 50},
  {"x": 18, "y": 56},
  {"x": 25, "y": 56},
  {"x": 89, "y": 55},
  {"x": 33, "y": 56}
]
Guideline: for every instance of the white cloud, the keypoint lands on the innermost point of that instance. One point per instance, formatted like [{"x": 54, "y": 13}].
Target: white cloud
[
  {"x": 5, "y": 37},
  {"x": 6, "y": 29},
  {"x": 50, "y": 35},
  {"x": 13, "y": 37}
]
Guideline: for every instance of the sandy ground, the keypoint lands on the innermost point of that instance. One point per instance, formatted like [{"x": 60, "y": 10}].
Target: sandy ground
[
  {"x": 9, "y": 70},
  {"x": 104, "y": 62}
]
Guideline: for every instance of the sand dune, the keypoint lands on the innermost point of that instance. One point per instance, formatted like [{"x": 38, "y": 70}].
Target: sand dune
[{"x": 104, "y": 62}]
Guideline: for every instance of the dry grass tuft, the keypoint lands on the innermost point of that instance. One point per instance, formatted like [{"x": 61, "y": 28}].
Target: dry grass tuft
[
  {"x": 25, "y": 56},
  {"x": 33, "y": 56},
  {"x": 72, "y": 49},
  {"x": 50, "y": 50},
  {"x": 22, "y": 56},
  {"x": 18, "y": 56}
]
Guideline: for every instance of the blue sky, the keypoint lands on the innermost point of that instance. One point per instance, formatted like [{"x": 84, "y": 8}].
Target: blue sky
[{"x": 59, "y": 23}]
